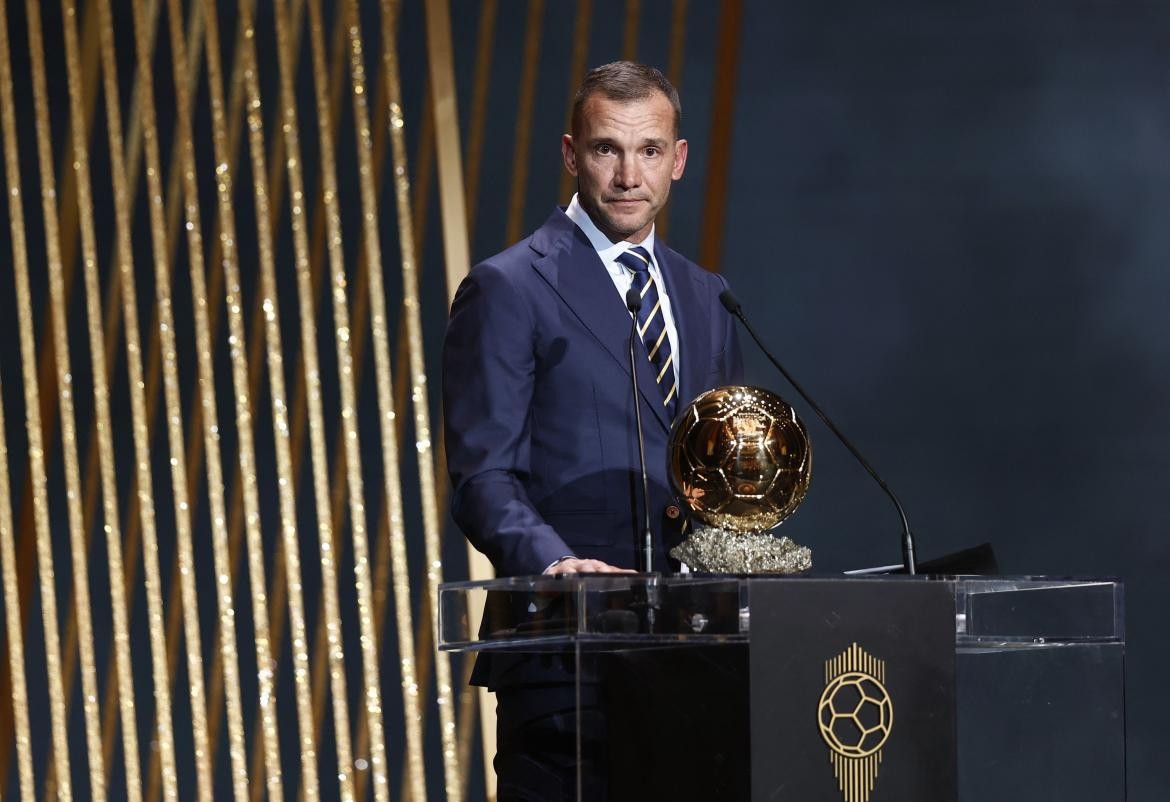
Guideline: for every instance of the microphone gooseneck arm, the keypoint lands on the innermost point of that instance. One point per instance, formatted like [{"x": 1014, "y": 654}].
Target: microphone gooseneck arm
[
  {"x": 634, "y": 304},
  {"x": 732, "y": 304}
]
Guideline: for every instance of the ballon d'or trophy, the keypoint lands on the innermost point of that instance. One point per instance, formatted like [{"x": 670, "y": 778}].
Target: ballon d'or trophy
[{"x": 741, "y": 461}]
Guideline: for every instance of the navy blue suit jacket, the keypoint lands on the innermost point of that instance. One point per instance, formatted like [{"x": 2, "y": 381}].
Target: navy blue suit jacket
[{"x": 539, "y": 413}]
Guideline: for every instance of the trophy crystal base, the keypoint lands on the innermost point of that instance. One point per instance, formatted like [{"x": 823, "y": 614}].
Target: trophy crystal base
[{"x": 718, "y": 551}]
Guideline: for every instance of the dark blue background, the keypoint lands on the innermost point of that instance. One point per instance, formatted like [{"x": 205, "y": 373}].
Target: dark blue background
[{"x": 949, "y": 219}]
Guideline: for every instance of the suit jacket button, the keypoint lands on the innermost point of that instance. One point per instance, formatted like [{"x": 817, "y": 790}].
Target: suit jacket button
[{"x": 672, "y": 511}]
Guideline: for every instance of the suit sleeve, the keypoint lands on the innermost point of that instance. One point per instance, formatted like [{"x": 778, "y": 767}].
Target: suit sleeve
[{"x": 489, "y": 367}]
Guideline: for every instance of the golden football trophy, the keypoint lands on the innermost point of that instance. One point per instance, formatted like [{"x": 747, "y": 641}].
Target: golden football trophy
[{"x": 741, "y": 461}]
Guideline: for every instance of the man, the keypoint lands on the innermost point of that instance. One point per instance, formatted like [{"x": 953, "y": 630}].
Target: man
[{"x": 541, "y": 439}]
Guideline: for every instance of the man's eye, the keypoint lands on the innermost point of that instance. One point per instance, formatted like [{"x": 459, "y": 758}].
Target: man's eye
[
  {"x": 651, "y": 151},
  {"x": 604, "y": 150}
]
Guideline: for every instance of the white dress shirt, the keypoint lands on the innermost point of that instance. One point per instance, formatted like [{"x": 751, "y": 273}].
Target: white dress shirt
[{"x": 620, "y": 274}]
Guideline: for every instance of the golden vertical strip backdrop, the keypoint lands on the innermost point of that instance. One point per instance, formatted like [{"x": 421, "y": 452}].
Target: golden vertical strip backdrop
[
  {"x": 14, "y": 625},
  {"x": 330, "y": 508},
  {"x": 337, "y": 294},
  {"x": 630, "y": 34},
  {"x": 302, "y": 682},
  {"x": 121, "y": 592},
  {"x": 124, "y": 178},
  {"x": 678, "y": 41},
  {"x": 423, "y": 445},
  {"x": 373, "y": 255},
  {"x": 458, "y": 222},
  {"x": 285, "y": 584},
  {"x": 143, "y": 39},
  {"x": 98, "y": 347},
  {"x": 97, "y": 779},
  {"x": 456, "y": 251},
  {"x": 479, "y": 96},
  {"x": 103, "y": 425},
  {"x": 312, "y": 383},
  {"x": 576, "y": 73},
  {"x": 452, "y": 202},
  {"x": 175, "y": 436},
  {"x": 384, "y": 377},
  {"x": 144, "y": 479},
  {"x": 36, "y": 451},
  {"x": 243, "y": 405},
  {"x": 206, "y": 391},
  {"x": 210, "y": 289},
  {"x": 306, "y": 295},
  {"x": 719, "y": 156},
  {"x": 214, "y": 287},
  {"x": 68, "y": 221},
  {"x": 48, "y": 414},
  {"x": 524, "y": 111},
  {"x": 12, "y": 607}
]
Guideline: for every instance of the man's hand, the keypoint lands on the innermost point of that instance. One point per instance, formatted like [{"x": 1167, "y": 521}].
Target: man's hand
[{"x": 572, "y": 565}]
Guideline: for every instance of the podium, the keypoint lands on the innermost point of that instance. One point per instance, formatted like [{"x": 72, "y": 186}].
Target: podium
[{"x": 812, "y": 688}]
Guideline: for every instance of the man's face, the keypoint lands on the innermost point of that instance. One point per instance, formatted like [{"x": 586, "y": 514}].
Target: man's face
[{"x": 624, "y": 156}]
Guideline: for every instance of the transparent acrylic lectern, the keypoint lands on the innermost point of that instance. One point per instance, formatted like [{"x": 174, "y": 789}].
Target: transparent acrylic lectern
[{"x": 826, "y": 688}]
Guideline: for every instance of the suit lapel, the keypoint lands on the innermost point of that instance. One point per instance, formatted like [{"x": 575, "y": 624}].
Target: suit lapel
[
  {"x": 572, "y": 268},
  {"x": 685, "y": 308}
]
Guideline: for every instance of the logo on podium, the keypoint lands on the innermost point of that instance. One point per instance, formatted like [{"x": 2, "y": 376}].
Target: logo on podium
[{"x": 855, "y": 716}]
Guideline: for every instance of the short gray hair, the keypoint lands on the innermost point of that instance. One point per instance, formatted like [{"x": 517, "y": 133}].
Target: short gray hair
[{"x": 624, "y": 81}]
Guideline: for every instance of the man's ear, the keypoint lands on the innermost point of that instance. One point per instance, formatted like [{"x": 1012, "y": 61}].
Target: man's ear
[
  {"x": 680, "y": 159},
  {"x": 568, "y": 154}
]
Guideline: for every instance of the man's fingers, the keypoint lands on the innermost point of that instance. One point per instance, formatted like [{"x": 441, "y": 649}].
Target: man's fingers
[
  {"x": 573, "y": 566},
  {"x": 576, "y": 566}
]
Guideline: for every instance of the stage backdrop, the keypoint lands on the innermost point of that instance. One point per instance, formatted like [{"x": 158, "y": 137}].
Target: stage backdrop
[{"x": 233, "y": 232}]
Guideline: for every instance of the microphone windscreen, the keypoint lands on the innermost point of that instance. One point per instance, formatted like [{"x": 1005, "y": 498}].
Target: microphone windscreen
[
  {"x": 633, "y": 300},
  {"x": 729, "y": 301}
]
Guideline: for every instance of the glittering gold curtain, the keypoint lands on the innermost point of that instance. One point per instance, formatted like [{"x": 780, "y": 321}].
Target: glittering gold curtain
[
  {"x": 222, "y": 489},
  {"x": 164, "y": 381}
]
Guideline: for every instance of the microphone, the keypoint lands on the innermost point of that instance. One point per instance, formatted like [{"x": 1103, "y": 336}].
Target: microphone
[
  {"x": 634, "y": 304},
  {"x": 732, "y": 305}
]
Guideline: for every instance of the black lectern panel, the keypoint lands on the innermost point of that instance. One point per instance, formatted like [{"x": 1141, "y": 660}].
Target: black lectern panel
[
  {"x": 853, "y": 691},
  {"x": 1043, "y": 722}
]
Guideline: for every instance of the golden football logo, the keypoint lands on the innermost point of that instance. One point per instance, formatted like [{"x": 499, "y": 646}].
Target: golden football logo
[{"x": 855, "y": 717}]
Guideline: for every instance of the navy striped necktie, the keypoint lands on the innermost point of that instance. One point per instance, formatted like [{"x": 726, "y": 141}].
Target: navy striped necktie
[{"x": 652, "y": 325}]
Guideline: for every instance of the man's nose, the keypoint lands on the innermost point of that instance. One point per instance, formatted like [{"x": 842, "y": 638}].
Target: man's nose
[{"x": 629, "y": 174}]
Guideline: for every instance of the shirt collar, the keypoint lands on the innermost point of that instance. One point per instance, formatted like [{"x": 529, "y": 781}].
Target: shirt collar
[{"x": 608, "y": 251}]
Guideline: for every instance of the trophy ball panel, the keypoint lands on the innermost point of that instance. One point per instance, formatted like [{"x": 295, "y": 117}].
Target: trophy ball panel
[
  {"x": 740, "y": 458},
  {"x": 708, "y": 491},
  {"x": 707, "y": 444}
]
